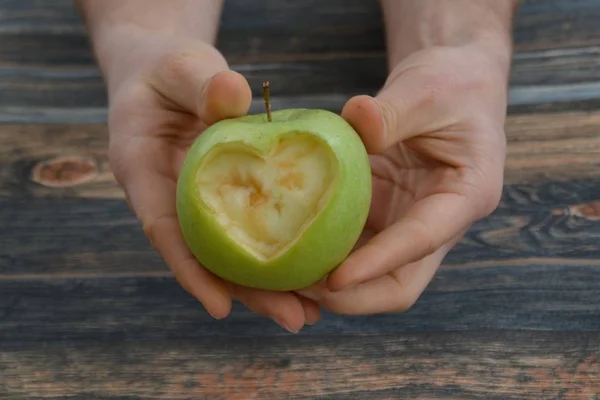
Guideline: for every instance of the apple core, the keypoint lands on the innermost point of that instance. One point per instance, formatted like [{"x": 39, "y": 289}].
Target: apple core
[{"x": 265, "y": 201}]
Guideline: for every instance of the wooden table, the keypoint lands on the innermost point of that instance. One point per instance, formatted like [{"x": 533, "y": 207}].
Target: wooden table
[{"x": 89, "y": 311}]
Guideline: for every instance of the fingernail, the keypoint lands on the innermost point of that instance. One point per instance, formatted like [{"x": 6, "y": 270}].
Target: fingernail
[
  {"x": 214, "y": 316},
  {"x": 283, "y": 325}
]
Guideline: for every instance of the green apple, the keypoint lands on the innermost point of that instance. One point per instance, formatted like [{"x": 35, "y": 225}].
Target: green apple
[{"x": 276, "y": 200}]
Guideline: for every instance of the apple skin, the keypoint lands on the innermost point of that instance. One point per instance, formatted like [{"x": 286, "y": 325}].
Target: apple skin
[{"x": 323, "y": 245}]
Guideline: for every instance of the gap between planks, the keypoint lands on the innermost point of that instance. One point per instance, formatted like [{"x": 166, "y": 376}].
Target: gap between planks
[{"x": 525, "y": 262}]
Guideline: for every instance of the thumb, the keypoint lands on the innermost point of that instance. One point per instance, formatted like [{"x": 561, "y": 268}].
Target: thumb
[
  {"x": 412, "y": 102},
  {"x": 199, "y": 81}
]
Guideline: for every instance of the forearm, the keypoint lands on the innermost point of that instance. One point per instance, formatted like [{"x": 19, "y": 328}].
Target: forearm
[
  {"x": 414, "y": 25},
  {"x": 126, "y": 34}
]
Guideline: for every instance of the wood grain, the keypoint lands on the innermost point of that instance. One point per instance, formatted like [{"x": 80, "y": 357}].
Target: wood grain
[
  {"x": 266, "y": 30},
  {"x": 25, "y": 146},
  {"x": 65, "y": 237},
  {"x": 74, "y": 237},
  {"x": 88, "y": 310},
  {"x": 542, "y": 147},
  {"x": 532, "y": 265},
  {"x": 61, "y": 86},
  {"x": 308, "y": 49},
  {"x": 525, "y": 295},
  {"x": 505, "y": 365}
]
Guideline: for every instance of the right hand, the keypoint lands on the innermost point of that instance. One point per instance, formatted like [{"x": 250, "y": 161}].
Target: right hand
[{"x": 157, "y": 110}]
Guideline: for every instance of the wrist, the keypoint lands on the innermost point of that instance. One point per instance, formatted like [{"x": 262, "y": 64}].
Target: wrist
[
  {"x": 413, "y": 26},
  {"x": 125, "y": 53},
  {"x": 127, "y": 36}
]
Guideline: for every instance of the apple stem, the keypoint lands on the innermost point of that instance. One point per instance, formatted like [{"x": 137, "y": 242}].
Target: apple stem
[{"x": 267, "y": 99}]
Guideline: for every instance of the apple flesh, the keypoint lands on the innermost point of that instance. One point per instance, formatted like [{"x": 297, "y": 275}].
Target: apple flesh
[{"x": 274, "y": 205}]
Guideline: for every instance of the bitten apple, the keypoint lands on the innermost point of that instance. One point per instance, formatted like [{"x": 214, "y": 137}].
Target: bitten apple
[{"x": 276, "y": 200}]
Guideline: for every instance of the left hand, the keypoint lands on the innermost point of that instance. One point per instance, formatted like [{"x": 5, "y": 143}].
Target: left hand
[{"x": 435, "y": 133}]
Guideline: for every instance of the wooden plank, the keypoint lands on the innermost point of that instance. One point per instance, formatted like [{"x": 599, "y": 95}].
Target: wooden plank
[
  {"x": 26, "y": 146},
  {"x": 47, "y": 64},
  {"x": 527, "y": 100},
  {"x": 524, "y": 296},
  {"x": 511, "y": 315},
  {"x": 51, "y": 87},
  {"x": 549, "y": 207},
  {"x": 552, "y": 147},
  {"x": 70, "y": 237},
  {"x": 556, "y": 66},
  {"x": 56, "y": 86},
  {"x": 542, "y": 148},
  {"x": 62, "y": 258},
  {"x": 503, "y": 365},
  {"x": 272, "y": 30}
]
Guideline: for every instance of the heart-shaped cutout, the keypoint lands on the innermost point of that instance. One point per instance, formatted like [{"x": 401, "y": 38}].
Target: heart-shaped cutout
[{"x": 265, "y": 201}]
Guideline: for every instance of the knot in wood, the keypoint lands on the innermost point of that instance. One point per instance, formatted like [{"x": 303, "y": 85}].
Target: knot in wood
[
  {"x": 65, "y": 171},
  {"x": 587, "y": 210}
]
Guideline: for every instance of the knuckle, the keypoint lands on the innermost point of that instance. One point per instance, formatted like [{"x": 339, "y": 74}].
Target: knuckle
[
  {"x": 486, "y": 193},
  {"x": 175, "y": 65},
  {"x": 477, "y": 81},
  {"x": 153, "y": 228},
  {"x": 442, "y": 86},
  {"x": 183, "y": 62},
  {"x": 425, "y": 235},
  {"x": 149, "y": 229},
  {"x": 436, "y": 88}
]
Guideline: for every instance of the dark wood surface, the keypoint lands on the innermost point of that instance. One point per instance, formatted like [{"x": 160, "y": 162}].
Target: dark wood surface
[{"x": 89, "y": 311}]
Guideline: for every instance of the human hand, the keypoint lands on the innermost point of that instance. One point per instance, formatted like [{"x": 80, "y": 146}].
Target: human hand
[
  {"x": 435, "y": 133},
  {"x": 155, "y": 115},
  {"x": 166, "y": 83}
]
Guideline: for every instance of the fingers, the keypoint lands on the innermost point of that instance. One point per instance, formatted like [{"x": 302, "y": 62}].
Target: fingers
[
  {"x": 429, "y": 224},
  {"x": 398, "y": 113},
  {"x": 391, "y": 293},
  {"x": 199, "y": 81},
  {"x": 152, "y": 197},
  {"x": 417, "y": 99},
  {"x": 312, "y": 310},
  {"x": 285, "y": 308},
  {"x": 166, "y": 238}
]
